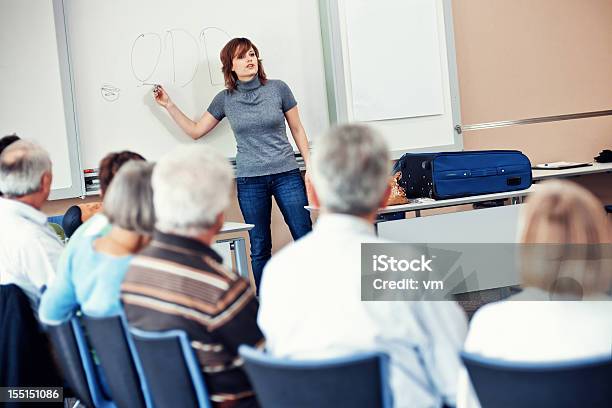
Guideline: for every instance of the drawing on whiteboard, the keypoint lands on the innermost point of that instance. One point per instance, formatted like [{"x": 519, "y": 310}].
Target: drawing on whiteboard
[
  {"x": 213, "y": 39},
  {"x": 110, "y": 92},
  {"x": 181, "y": 46},
  {"x": 154, "y": 39},
  {"x": 173, "y": 45}
]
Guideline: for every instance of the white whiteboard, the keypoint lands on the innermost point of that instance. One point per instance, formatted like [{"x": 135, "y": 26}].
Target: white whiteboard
[
  {"x": 115, "y": 45},
  {"x": 392, "y": 64},
  {"x": 36, "y": 100},
  {"x": 384, "y": 72}
]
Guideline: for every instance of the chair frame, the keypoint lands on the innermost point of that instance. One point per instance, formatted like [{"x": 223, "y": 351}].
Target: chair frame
[
  {"x": 133, "y": 353},
  {"x": 95, "y": 388},
  {"x": 193, "y": 366}
]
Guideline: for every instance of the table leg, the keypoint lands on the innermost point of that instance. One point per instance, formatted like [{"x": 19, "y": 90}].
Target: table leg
[{"x": 242, "y": 265}]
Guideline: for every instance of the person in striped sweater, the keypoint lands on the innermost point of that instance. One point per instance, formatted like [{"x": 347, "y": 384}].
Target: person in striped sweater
[{"x": 178, "y": 281}]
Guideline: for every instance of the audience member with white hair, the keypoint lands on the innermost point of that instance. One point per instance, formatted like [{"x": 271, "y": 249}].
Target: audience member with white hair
[
  {"x": 29, "y": 249},
  {"x": 178, "y": 281},
  {"x": 91, "y": 277},
  {"x": 564, "y": 312},
  {"x": 310, "y": 295}
]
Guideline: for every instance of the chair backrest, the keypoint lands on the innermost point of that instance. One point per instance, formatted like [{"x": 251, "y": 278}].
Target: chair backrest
[
  {"x": 57, "y": 219},
  {"x": 580, "y": 383},
  {"x": 360, "y": 380},
  {"x": 75, "y": 361},
  {"x": 173, "y": 373},
  {"x": 120, "y": 365},
  {"x": 25, "y": 352}
]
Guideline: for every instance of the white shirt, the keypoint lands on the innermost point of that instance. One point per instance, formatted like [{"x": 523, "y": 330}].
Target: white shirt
[
  {"x": 537, "y": 331},
  {"x": 29, "y": 249},
  {"x": 311, "y": 308}
]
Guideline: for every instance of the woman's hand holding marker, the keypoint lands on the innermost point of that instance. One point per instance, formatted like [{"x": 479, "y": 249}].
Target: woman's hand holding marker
[{"x": 161, "y": 96}]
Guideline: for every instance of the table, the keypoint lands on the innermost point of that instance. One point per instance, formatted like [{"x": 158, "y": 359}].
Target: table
[
  {"x": 516, "y": 196},
  {"x": 495, "y": 230},
  {"x": 493, "y": 225},
  {"x": 237, "y": 244},
  {"x": 577, "y": 171}
]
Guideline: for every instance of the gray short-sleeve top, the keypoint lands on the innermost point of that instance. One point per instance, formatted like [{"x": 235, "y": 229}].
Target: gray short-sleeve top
[{"x": 256, "y": 114}]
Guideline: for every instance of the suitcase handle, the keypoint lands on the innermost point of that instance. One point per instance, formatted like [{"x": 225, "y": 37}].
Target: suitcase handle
[
  {"x": 484, "y": 172},
  {"x": 455, "y": 174}
]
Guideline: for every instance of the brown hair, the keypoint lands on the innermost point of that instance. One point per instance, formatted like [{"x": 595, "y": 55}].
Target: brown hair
[
  {"x": 238, "y": 47},
  {"x": 110, "y": 165},
  {"x": 574, "y": 222}
]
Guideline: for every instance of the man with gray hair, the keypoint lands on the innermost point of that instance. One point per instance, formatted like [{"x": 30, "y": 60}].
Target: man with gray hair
[
  {"x": 178, "y": 281},
  {"x": 29, "y": 249},
  {"x": 310, "y": 294}
]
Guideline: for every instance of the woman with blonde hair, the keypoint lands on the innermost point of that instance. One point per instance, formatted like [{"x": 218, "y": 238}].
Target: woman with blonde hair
[
  {"x": 564, "y": 311},
  {"x": 565, "y": 232}
]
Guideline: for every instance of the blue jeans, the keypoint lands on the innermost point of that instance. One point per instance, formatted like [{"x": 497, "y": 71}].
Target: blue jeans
[{"x": 255, "y": 199}]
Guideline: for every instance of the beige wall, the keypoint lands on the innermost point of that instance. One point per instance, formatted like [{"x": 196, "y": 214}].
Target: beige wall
[
  {"x": 524, "y": 58},
  {"x": 519, "y": 59}
]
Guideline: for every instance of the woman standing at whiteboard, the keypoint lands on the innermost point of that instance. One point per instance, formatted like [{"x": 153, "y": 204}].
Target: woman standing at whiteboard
[{"x": 256, "y": 108}]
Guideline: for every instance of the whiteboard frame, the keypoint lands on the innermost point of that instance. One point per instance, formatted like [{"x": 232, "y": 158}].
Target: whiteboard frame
[
  {"x": 77, "y": 187},
  {"x": 336, "y": 79}
]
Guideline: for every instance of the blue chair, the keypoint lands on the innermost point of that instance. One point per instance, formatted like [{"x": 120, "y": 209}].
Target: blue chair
[
  {"x": 57, "y": 219},
  {"x": 119, "y": 361},
  {"x": 580, "y": 383},
  {"x": 360, "y": 380},
  {"x": 173, "y": 373},
  {"x": 77, "y": 363}
]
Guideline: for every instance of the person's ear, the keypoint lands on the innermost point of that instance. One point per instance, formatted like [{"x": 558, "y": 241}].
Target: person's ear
[
  {"x": 219, "y": 222},
  {"x": 45, "y": 182},
  {"x": 143, "y": 241}
]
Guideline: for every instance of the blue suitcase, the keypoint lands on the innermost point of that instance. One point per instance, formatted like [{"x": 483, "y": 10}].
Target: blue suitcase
[{"x": 460, "y": 174}]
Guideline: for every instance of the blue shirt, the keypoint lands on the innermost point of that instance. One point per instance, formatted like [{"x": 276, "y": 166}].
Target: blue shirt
[
  {"x": 97, "y": 225},
  {"x": 90, "y": 280}
]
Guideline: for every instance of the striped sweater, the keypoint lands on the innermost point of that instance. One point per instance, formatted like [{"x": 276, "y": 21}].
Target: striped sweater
[{"x": 179, "y": 283}]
